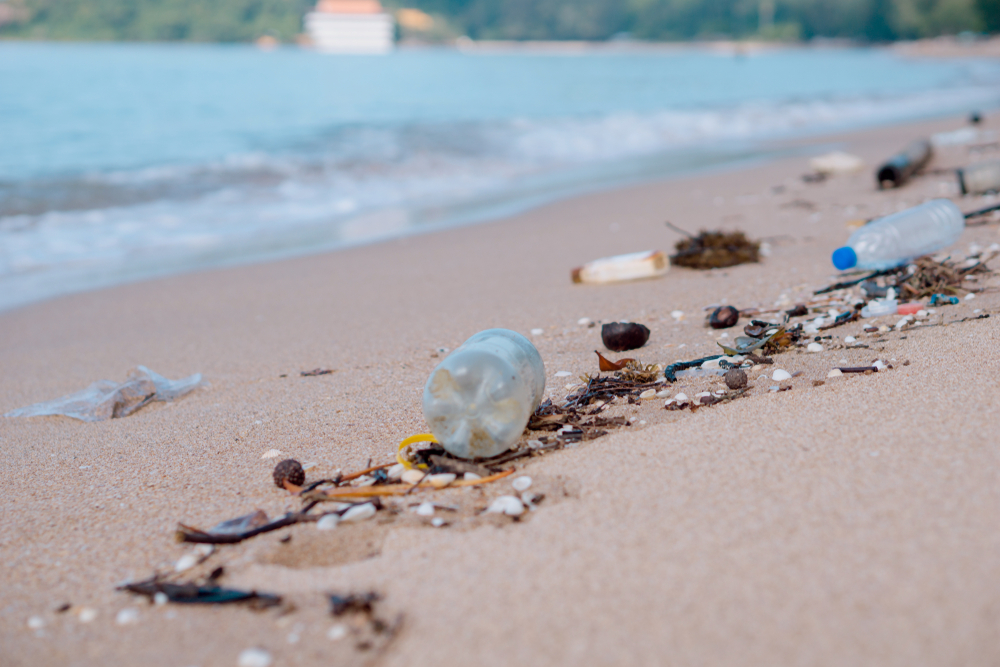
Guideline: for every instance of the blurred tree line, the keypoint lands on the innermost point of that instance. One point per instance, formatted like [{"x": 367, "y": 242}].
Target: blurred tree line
[{"x": 245, "y": 20}]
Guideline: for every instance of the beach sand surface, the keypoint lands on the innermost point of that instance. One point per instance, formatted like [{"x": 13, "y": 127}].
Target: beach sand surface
[{"x": 854, "y": 522}]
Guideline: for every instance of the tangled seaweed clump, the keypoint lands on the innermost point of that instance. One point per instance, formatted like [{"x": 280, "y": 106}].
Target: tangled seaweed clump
[{"x": 715, "y": 250}]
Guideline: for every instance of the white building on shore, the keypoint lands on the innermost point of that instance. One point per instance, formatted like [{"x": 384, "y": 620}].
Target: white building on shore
[{"x": 350, "y": 26}]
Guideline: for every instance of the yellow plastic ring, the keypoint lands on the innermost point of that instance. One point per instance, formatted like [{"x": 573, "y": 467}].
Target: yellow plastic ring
[{"x": 420, "y": 437}]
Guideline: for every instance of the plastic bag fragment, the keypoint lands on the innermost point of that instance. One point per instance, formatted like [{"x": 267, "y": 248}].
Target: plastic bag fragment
[{"x": 105, "y": 399}]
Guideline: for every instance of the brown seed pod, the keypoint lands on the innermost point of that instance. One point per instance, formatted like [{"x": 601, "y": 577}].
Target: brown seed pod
[
  {"x": 621, "y": 336},
  {"x": 289, "y": 471},
  {"x": 735, "y": 378},
  {"x": 724, "y": 317}
]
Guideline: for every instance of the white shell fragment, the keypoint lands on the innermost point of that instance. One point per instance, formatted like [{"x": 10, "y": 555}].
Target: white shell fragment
[
  {"x": 834, "y": 373},
  {"x": 36, "y": 623},
  {"x": 648, "y": 394},
  {"x": 563, "y": 374},
  {"x": 584, "y": 321},
  {"x": 522, "y": 483},
  {"x": 681, "y": 398},
  {"x": 337, "y": 632},
  {"x": 780, "y": 375},
  {"x": 850, "y": 339},
  {"x": 879, "y": 364},
  {"x": 359, "y": 513},
  {"x": 87, "y": 614},
  {"x": 271, "y": 454},
  {"x": 442, "y": 480},
  {"x": 328, "y": 522},
  {"x": 814, "y": 347},
  {"x": 395, "y": 473},
  {"x": 508, "y": 505},
  {"x": 160, "y": 599},
  {"x": 412, "y": 476},
  {"x": 472, "y": 477},
  {"x": 254, "y": 657},
  {"x": 437, "y": 522},
  {"x": 185, "y": 562},
  {"x": 425, "y": 509},
  {"x": 127, "y": 616},
  {"x": 537, "y": 332}
]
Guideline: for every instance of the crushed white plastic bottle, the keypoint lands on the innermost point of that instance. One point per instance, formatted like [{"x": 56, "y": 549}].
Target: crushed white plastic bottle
[
  {"x": 901, "y": 237},
  {"x": 477, "y": 402}
]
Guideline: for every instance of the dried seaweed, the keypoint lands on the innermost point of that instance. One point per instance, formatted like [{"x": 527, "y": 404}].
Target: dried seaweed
[
  {"x": 715, "y": 250},
  {"x": 932, "y": 277}
]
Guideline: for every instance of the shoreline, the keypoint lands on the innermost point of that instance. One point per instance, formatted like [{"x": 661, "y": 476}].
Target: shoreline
[{"x": 846, "y": 521}]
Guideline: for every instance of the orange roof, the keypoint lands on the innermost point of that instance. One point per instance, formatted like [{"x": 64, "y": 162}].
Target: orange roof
[{"x": 349, "y": 6}]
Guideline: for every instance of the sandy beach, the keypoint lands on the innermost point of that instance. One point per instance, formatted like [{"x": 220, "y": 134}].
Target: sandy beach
[{"x": 854, "y": 522}]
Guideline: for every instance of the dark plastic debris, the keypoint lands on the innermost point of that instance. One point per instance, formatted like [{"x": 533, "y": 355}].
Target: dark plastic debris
[
  {"x": 900, "y": 167},
  {"x": 194, "y": 594}
]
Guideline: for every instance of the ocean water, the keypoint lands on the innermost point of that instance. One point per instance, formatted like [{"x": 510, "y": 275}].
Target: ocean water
[{"x": 121, "y": 162}]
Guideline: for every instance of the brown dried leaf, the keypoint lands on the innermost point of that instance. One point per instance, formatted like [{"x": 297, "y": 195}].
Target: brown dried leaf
[{"x": 606, "y": 365}]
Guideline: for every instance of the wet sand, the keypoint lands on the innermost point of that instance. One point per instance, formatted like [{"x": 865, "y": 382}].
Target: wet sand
[{"x": 850, "y": 523}]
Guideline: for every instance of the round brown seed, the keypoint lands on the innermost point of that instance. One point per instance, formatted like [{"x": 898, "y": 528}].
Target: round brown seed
[{"x": 289, "y": 471}]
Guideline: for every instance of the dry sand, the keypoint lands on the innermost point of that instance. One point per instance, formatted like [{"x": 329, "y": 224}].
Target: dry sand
[{"x": 851, "y": 523}]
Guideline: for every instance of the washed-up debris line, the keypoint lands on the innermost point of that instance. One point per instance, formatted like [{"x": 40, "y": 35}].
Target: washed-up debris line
[
  {"x": 192, "y": 593},
  {"x": 923, "y": 277},
  {"x": 715, "y": 250}
]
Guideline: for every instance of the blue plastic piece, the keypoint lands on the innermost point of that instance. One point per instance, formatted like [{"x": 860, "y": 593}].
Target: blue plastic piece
[
  {"x": 845, "y": 258},
  {"x": 941, "y": 300}
]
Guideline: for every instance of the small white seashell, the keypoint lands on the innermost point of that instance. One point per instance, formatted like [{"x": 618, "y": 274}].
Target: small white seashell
[
  {"x": 879, "y": 364},
  {"x": 271, "y": 454},
  {"x": 442, "y": 480},
  {"x": 36, "y": 623},
  {"x": 328, "y": 522},
  {"x": 563, "y": 374},
  {"x": 437, "y": 522},
  {"x": 883, "y": 328},
  {"x": 711, "y": 364},
  {"x": 337, "y": 632},
  {"x": 583, "y": 321},
  {"x": 850, "y": 339},
  {"x": 395, "y": 473},
  {"x": 364, "y": 480},
  {"x": 472, "y": 477},
  {"x": 412, "y": 476},
  {"x": 723, "y": 335},
  {"x": 775, "y": 388},
  {"x": 425, "y": 509},
  {"x": 185, "y": 562},
  {"x": 204, "y": 550},
  {"x": 902, "y": 323},
  {"x": 359, "y": 513},
  {"x": 677, "y": 314},
  {"x": 649, "y": 393},
  {"x": 834, "y": 373},
  {"x": 127, "y": 616},
  {"x": 757, "y": 368},
  {"x": 508, "y": 505},
  {"x": 833, "y": 312},
  {"x": 702, "y": 393},
  {"x": 160, "y": 599},
  {"x": 780, "y": 375},
  {"x": 522, "y": 483},
  {"x": 254, "y": 657},
  {"x": 970, "y": 296},
  {"x": 810, "y": 329},
  {"x": 814, "y": 347},
  {"x": 681, "y": 398},
  {"x": 921, "y": 314},
  {"x": 663, "y": 393},
  {"x": 87, "y": 614},
  {"x": 537, "y": 332}
]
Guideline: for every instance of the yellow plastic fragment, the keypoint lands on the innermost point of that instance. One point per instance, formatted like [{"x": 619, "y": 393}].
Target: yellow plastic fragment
[{"x": 420, "y": 437}]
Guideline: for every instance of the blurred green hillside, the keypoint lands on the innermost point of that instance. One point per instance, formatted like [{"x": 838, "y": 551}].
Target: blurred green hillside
[{"x": 245, "y": 20}]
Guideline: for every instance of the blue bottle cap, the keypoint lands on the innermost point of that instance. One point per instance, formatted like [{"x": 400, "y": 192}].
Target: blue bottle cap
[{"x": 845, "y": 258}]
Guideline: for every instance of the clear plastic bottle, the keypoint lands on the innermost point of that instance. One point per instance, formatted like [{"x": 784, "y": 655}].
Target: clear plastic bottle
[
  {"x": 477, "y": 401},
  {"x": 979, "y": 178},
  {"x": 900, "y": 237}
]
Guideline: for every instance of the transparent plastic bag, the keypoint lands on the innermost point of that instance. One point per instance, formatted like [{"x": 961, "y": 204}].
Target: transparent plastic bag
[{"x": 105, "y": 399}]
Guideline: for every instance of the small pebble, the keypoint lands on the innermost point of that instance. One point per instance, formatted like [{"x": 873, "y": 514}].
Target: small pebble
[
  {"x": 337, "y": 632},
  {"x": 537, "y": 332},
  {"x": 681, "y": 398},
  {"x": 442, "y": 480},
  {"x": 328, "y": 522},
  {"x": 160, "y": 599},
  {"x": 584, "y": 321},
  {"x": 879, "y": 364},
  {"x": 649, "y": 393},
  {"x": 425, "y": 509},
  {"x": 814, "y": 347},
  {"x": 724, "y": 317},
  {"x": 850, "y": 339},
  {"x": 522, "y": 483},
  {"x": 472, "y": 477},
  {"x": 36, "y": 623},
  {"x": 702, "y": 394},
  {"x": 271, "y": 454},
  {"x": 437, "y": 522},
  {"x": 835, "y": 373},
  {"x": 883, "y": 328},
  {"x": 359, "y": 513},
  {"x": 780, "y": 375},
  {"x": 395, "y": 473},
  {"x": 254, "y": 657},
  {"x": 185, "y": 562},
  {"x": 677, "y": 314},
  {"x": 563, "y": 374},
  {"x": 623, "y": 336},
  {"x": 663, "y": 393},
  {"x": 204, "y": 550},
  {"x": 127, "y": 616},
  {"x": 508, "y": 505},
  {"x": 289, "y": 471},
  {"x": 87, "y": 614},
  {"x": 970, "y": 296},
  {"x": 711, "y": 364},
  {"x": 412, "y": 476}
]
